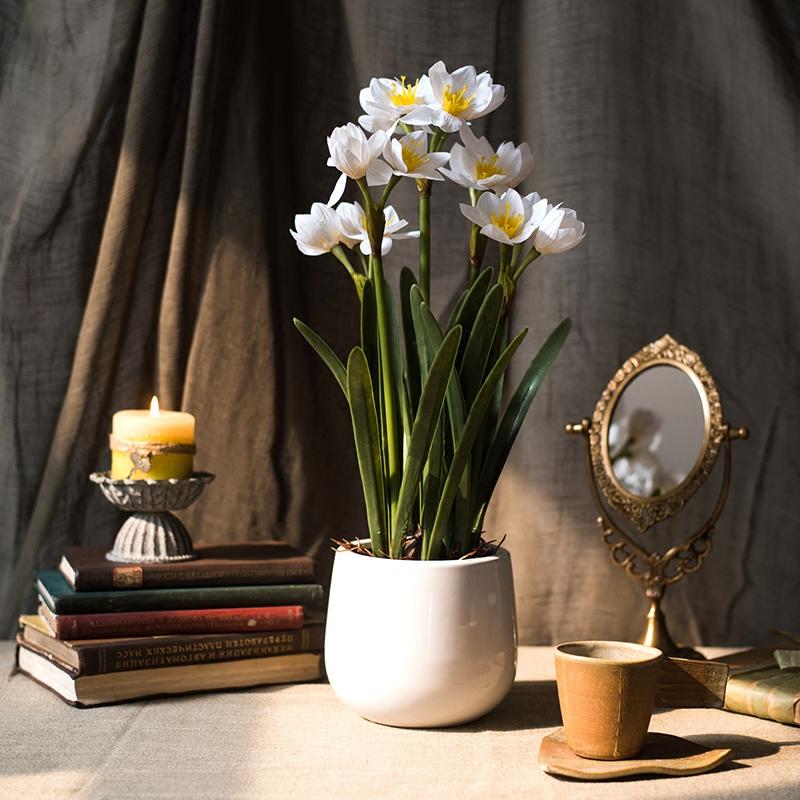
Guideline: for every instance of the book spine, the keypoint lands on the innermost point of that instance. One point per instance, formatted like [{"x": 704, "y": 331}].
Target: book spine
[
  {"x": 306, "y": 594},
  {"x": 161, "y": 576},
  {"x": 187, "y": 650},
  {"x": 156, "y": 623}
]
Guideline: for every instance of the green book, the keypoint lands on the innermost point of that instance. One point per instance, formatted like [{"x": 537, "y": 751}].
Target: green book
[
  {"x": 61, "y": 598},
  {"x": 765, "y": 683}
]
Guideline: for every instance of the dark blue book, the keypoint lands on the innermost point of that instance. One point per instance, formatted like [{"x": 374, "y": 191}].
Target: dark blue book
[{"x": 61, "y": 598}]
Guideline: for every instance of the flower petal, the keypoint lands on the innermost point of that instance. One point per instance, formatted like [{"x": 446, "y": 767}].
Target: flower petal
[
  {"x": 378, "y": 173},
  {"x": 493, "y": 232},
  {"x": 475, "y": 215},
  {"x": 338, "y": 190}
]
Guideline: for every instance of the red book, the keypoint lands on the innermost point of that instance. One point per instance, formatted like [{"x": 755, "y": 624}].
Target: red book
[{"x": 152, "y": 623}]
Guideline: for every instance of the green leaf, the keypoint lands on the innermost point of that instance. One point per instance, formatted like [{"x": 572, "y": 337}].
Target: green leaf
[
  {"x": 430, "y": 408},
  {"x": 432, "y": 478},
  {"x": 489, "y": 427},
  {"x": 325, "y": 353},
  {"x": 414, "y": 381},
  {"x": 470, "y": 301},
  {"x": 456, "y": 412},
  {"x": 431, "y": 336},
  {"x": 476, "y": 353},
  {"x": 425, "y": 349},
  {"x": 368, "y": 446},
  {"x": 515, "y": 414},
  {"x": 462, "y": 452}
]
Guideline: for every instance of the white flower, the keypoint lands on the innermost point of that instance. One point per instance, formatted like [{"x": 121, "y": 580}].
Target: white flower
[
  {"x": 318, "y": 232},
  {"x": 353, "y": 225},
  {"x": 559, "y": 231},
  {"x": 638, "y": 475},
  {"x": 510, "y": 218},
  {"x": 476, "y": 165},
  {"x": 634, "y": 442},
  {"x": 388, "y": 100},
  {"x": 454, "y": 98},
  {"x": 409, "y": 157},
  {"x": 356, "y": 157}
]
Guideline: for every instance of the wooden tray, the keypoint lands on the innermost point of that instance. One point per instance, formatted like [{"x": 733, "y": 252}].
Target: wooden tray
[{"x": 663, "y": 754}]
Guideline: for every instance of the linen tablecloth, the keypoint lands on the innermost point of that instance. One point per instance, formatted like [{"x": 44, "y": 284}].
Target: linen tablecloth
[{"x": 300, "y": 742}]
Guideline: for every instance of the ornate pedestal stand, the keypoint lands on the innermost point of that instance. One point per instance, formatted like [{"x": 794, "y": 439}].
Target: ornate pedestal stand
[{"x": 151, "y": 534}]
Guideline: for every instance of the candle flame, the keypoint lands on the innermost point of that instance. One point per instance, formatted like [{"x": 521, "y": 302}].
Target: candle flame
[{"x": 154, "y": 410}]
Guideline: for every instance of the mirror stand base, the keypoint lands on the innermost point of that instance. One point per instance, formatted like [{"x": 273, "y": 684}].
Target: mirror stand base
[{"x": 656, "y": 634}]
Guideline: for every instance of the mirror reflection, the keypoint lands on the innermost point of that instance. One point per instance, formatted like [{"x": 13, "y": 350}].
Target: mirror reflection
[{"x": 657, "y": 432}]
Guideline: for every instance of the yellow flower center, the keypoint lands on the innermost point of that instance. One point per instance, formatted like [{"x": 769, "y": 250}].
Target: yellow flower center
[
  {"x": 508, "y": 223},
  {"x": 413, "y": 155},
  {"x": 404, "y": 94},
  {"x": 487, "y": 167},
  {"x": 454, "y": 101}
]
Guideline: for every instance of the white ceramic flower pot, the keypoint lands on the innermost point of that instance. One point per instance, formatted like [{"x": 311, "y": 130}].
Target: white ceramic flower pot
[{"x": 421, "y": 644}]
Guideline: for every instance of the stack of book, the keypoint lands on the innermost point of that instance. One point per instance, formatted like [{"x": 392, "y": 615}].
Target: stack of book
[{"x": 239, "y": 615}]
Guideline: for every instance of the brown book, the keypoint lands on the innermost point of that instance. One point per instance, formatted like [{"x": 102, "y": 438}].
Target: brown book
[
  {"x": 92, "y": 690},
  {"x": 760, "y": 687},
  {"x": 100, "y": 656},
  {"x": 243, "y": 564}
]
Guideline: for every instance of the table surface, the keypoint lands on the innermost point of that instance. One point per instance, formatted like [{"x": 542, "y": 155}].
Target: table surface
[{"x": 300, "y": 742}]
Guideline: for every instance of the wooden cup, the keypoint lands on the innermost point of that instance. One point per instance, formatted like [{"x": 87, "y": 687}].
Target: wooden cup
[{"x": 606, "y": 691}]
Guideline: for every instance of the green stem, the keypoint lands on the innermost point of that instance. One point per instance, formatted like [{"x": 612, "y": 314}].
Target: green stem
[
  {"x": 358, "y": 278},
  {"x": 477, "y": 248},
  {"x": 393, "y": 181},
  {"x": 424, "y": 189},
  {"x": 504, "y": 250},
  {"x": 529, "y": 259},
  {"x": 477, "y": 242},
  {"x": 389, "y": 383},
  {"x": 437, "y": 140},
  {"x": 338, "y": 251}
]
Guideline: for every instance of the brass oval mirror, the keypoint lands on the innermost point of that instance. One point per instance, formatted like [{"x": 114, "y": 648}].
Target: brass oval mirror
[
  {"x": 656, "y": 432},
  {"x": 653, "y": 440}
]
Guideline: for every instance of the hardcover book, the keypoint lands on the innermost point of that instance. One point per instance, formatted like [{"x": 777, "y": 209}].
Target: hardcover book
[
  {"x": 61, "y": 598},
  {"x": 99, "y": 656},
  {"x": 150, "y": 623},
  {"x": 762, "y": 685},
  {"x": 247, "y": 563},
  {"x": 92, "y": 690}
]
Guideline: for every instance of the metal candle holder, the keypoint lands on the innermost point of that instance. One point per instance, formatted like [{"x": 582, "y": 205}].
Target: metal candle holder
[{"x": 151, "y": 534}]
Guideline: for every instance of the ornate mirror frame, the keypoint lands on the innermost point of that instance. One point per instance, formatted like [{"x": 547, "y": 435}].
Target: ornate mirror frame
[
  {"x": 656, "y": 570},
  {"x": 645, "y": 512}
]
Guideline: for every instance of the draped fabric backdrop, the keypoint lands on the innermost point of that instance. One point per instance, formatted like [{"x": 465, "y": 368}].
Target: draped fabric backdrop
[{"x": 152, "y": 155}]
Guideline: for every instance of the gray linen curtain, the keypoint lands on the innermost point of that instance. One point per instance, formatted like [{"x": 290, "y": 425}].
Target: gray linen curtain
[{"x": 152, "y": 155}]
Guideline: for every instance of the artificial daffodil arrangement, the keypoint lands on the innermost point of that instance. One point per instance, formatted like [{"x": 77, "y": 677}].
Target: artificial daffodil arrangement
[{"x": 425, "y": 394}]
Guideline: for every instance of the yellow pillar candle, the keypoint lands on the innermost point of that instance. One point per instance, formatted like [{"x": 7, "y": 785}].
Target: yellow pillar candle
[{"x": 152, "y": 444}]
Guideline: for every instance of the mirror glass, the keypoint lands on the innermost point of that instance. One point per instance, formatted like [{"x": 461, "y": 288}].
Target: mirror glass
[{"x": 657, "y": 431}]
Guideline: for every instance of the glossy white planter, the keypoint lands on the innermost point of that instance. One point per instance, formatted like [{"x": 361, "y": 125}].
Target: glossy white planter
[{"x": 421, "y": 644}]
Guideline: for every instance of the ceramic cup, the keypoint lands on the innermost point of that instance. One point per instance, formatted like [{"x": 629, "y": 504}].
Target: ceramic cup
[{"x": 606, "y": 691}]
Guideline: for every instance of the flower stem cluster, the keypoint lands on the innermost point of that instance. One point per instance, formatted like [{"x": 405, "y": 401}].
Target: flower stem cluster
[{"x": 428, "y": 437}]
